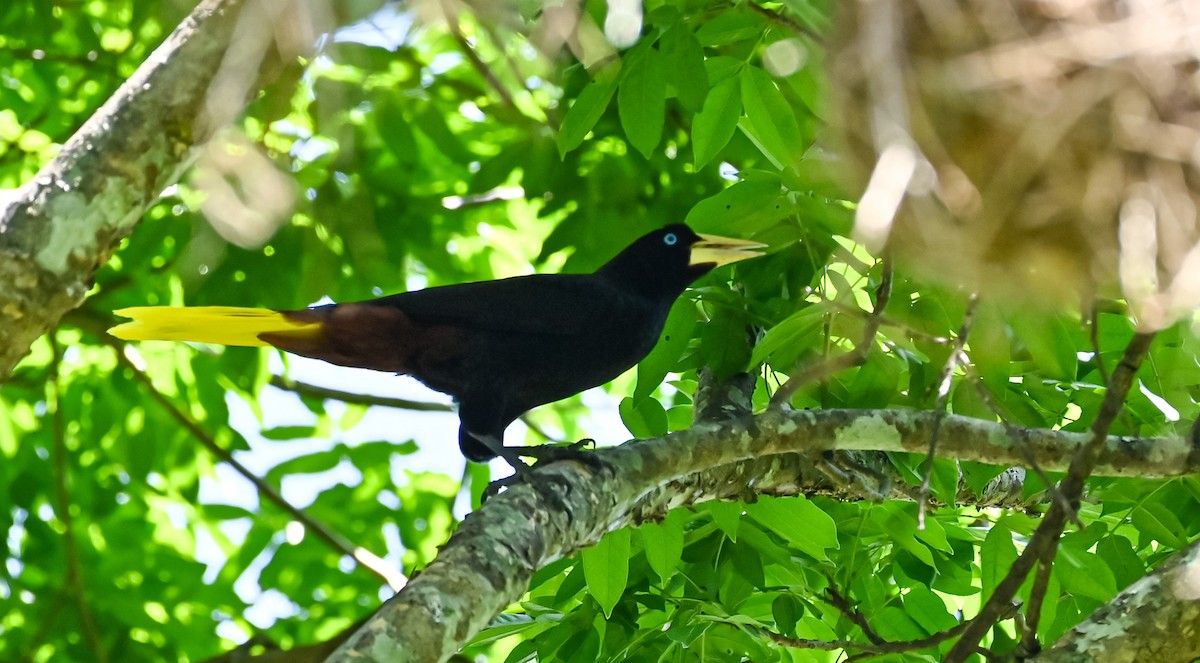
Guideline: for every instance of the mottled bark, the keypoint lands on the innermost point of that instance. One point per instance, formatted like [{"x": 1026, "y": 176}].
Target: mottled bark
[
  {"x": 488, "y": 562},
  {"x": 59, "y": 228},
  {"x": 1156, "y": 619}
]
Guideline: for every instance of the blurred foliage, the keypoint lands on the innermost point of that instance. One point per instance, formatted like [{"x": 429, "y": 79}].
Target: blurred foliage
[{"x": 424, "y": 154}]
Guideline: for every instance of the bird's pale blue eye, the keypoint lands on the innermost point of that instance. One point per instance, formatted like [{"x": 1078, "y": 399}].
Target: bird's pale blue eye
[{"x": 670, "y": 239}]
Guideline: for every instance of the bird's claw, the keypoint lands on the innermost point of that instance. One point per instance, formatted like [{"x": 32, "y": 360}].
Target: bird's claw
[{"x": 544, "y": 454}]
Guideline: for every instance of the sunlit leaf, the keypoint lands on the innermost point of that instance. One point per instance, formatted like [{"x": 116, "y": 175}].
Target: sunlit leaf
[
  {"x": 641, "y": 100},
  {"x": 716, "y": 121},
  {"x": 606, "y": 567},
  {"x": 589, "y": 106}
]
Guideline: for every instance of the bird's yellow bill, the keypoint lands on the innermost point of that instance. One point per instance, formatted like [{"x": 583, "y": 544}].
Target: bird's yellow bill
[
  {"x": 714, "y": 249},
  {"x": 223, "y": 325}
]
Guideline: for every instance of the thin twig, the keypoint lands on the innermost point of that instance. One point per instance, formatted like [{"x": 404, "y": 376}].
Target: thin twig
[
  {"x": 480, "y": 66},
  {"x": 1094, "y": 335},
  {"x": 869, "y": 649},
  {"x": 1045, "y": 538},
  {"x": 315, "y": 391},
  {"x": 538, "y": 430},
  {"x": 786, "y": 21},
  {"x": 855, "y": 357},
  {"x": 943, "y": 393},
  {"x": 1033, "y": 610},
  {"x": 75, "y": 583},
  {"x": 885, "y": 321},
  {"x": 837, "y": 600},
  {"x": 368, "y": 560},
  {"x": 1019, "y": 437}
]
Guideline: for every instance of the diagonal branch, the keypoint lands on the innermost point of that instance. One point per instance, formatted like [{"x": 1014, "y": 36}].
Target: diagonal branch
[
  {"x": 58, "y": 228},
  {"x": 368, "y": 560},
  {"x": 952, "y": 362},
  {"x": 62, "y": 508},
  {"x": 1045, "y": 538}
]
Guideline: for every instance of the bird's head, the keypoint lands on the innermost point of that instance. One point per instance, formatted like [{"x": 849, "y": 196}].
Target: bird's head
[{"x": 667, "y": 260}]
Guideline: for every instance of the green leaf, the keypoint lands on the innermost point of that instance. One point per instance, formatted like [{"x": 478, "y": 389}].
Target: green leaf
[
  {"x": 313, "y": 463},
  {"x": 1156, "y": 520},
  {"x": 727, "y": 516},
  {"x": 722, "y": 67},
  {"x": 991, "y": 350},
  {"x": 641, "y": 101},
  {"x": 800, "y": 522},
  {"x": 943, "y": 481},
  {"x": 1084, "y": 574},
  {"x": 732, "y": 25},
  {"x": 895, "y": 624},
  {"x": 606, "y": 569},
  {"x": 663, "y": 543},
  {"x": 794, "y": 333},
  {"x": 645, "y": 418},
  {"x": 289, "y": 432},
  {"x": 504, "y": 625},
  {"x": 786, "y": 611},
  {"x": 742, "y": 209},
  {"x": 996, "y": 557},
  {"x": 1048, "y": 341},
  {"x": 900, "y": 522},
  {"x": 1121, "y": 559},
  {"x": 714, "y": 125},
  {"x": 978, "y": 475},
  {"x": 396, "y": 131},
  {"x": 928, "y": 609},
  {"x": 430, "y": 121},
  {"x": 725, "y": 344},
  {"x": 677, "y": 331},
  {"x": 588, "y": 108},
  {"x": 684, "y": 58},
  {"x": 771, "y": 119},
  {"x": 225, "y": 512}
]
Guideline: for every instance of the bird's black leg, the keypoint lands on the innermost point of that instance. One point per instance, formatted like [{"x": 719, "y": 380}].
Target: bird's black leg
[
  {"x": 543, "y": 454},
  {"x": 495, "y": 445}
]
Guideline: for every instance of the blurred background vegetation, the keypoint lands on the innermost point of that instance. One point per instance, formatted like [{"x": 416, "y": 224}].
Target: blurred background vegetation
[{"x": 428, "y": 143}]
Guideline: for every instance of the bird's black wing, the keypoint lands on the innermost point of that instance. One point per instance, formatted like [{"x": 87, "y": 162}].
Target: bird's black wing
[{"x": 535, "y": 304}]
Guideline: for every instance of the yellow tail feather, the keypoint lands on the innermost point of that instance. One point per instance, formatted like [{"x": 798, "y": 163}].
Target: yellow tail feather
[{"x": 223, "y": 325}]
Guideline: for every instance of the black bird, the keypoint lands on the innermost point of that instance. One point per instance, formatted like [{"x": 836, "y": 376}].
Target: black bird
[{"x": 499, "y": 348}]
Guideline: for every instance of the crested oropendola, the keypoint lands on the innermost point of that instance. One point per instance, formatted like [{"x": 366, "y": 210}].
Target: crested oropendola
[{"x": 499, "y": 348}]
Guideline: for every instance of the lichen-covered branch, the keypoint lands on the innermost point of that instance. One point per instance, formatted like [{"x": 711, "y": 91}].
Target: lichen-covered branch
[
  {"x": 59, "y": 228},
  {"x": 1155, "y": 618},
  {"x": 488, "y": 562}
]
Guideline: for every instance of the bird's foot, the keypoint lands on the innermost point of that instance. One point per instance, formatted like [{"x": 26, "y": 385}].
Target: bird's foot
[
  {"x": 543, "y": 454},
  {"x": 549, "y": 453}
]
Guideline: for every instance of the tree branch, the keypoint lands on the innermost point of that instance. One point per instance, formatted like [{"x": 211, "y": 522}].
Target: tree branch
[
  {"x": 59, "y": 228},
  {"x": 1153, "y": 619},
  {"x": 62, "y": 508},
  {"x": 567, "y": 505},
  {"x": 943, "y": 392},
  {"x": 368, "y": 560},
  {"x": 1045, "y": 539},
  {"x": 317, "y": 391}
]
